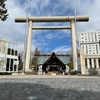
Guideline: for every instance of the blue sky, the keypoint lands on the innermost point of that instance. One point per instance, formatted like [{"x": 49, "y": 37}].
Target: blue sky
[{"x": 49, "y": 40}]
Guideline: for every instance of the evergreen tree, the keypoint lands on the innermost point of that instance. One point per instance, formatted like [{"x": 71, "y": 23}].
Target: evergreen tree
[
  {"x": 36, "y": 52},
  {"x": 3, "y": 10},
  {"x": 20, "y": 66},
  {"x": 35, "y": 59},
  {"x": 70, "y": 64}
]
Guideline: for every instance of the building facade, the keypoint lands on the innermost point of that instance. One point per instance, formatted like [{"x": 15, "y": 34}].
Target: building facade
[
  {"x": 53, "y": 64},
  {"x": 8, "y": 56},
  {"x": 90, "y": 43}
]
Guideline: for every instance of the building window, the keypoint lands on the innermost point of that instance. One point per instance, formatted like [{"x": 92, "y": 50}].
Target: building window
[
  {"x": 86, "y": 50},
  {"x": 97, "y": 49}
]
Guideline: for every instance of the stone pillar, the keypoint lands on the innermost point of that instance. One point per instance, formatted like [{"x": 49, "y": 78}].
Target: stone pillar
[
  {"x": 92, "y": 62},
  {"x": 82, "y": 59},
  {"x": 88, "y": 63},
  {"x": 97, "y": 63},
  {"x": 28, "y": 46},
  {"x": 74, "y": 49}
]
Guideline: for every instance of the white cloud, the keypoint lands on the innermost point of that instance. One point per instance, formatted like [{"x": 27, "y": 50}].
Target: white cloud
[
  {"x": 9, "y": 29},
  {"x": 62, "y": 49},
  {"x": 56, "y": 35},
  {"x": 16, "y": 31},
  {"x": 89, "y": 8}
]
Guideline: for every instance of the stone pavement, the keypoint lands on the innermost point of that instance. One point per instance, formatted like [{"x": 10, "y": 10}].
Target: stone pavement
[
  {"x": 46, "y": 76},
  {"x": 35, "y": 87}
]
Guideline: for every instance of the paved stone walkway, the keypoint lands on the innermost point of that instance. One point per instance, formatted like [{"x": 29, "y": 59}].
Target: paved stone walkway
[{"x": 49, "y": 88}]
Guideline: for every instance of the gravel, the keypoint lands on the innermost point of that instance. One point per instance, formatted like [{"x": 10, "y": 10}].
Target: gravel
[{"x": 50, "y": 88}]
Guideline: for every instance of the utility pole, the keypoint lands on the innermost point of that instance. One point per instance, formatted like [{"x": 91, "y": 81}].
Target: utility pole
[
  {"x": 76, "y": 59},
  {"x": 26, "y": 33}
]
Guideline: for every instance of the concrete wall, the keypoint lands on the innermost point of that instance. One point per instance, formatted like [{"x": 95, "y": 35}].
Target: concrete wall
[{"x": 92, "y": 72}]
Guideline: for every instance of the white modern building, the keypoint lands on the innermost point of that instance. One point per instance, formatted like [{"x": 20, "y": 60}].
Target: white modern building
[
  {"x": 8, "y": 56},
  {"x": 90, "y": 44}
]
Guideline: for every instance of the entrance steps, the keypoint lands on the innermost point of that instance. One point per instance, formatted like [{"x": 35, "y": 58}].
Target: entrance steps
[{"x": 52, "y": 73}]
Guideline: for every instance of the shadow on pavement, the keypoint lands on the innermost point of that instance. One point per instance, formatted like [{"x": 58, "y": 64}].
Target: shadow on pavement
[{"x": 29, "y": 91}]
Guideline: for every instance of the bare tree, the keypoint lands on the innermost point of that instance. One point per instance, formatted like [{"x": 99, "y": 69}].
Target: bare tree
[{"x": 2, "y": 63}]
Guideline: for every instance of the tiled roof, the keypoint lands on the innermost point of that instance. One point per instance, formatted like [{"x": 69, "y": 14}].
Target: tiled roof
[{"x": 64, "y": 58}]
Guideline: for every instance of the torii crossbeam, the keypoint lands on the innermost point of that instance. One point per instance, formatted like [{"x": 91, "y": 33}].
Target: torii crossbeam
[{"x": 70, "y": 19}]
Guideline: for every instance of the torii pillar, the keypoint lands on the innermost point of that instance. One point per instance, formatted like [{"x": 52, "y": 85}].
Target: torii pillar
[
  {"x": 74, "y": 46},
  {"x": 70, "y": 19},
  {"x": 28, "y": 46}
]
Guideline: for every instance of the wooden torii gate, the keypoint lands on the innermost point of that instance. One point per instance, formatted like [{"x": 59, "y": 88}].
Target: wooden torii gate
[{"x": 70, "y": 19}]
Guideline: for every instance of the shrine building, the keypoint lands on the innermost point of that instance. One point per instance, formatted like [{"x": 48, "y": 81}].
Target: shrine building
[{"x": 53, "y": 63}]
